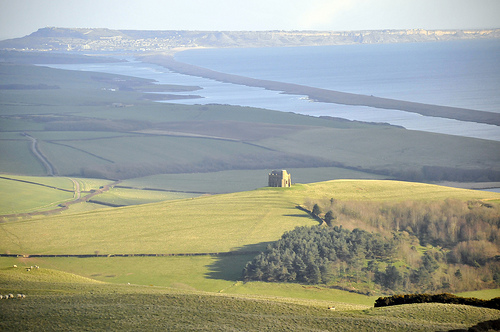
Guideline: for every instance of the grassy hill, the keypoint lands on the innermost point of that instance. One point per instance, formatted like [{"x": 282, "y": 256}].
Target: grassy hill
[
  {"x": 207, "y": 224},
  {"x": 242, "y": 223},
  {"x": 59, "y": 301}
]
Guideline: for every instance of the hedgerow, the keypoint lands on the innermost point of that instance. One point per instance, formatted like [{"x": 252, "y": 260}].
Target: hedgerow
[{"x": 436, "y": 298}]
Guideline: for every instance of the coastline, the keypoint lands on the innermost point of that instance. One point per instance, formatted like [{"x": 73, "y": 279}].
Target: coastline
[{"x": 325, "y": 95}]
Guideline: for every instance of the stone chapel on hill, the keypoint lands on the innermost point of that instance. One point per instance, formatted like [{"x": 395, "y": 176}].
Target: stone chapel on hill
[{"x": 280, "y": 179}]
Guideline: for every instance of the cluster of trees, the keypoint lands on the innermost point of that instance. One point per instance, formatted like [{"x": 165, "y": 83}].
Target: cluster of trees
[
  {"x": 318, "y": 255},
  {"x": 417, "y": 246},
  {"x": 469, "y": 230}
]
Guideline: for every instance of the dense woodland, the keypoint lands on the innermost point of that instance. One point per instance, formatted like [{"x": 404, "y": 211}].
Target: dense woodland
[{"x": 407, "y": 246}]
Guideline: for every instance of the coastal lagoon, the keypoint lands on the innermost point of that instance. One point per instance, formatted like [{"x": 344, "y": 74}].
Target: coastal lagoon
[{"x": 461, "y": 74}]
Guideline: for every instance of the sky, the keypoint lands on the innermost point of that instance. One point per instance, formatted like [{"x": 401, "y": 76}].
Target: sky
[{"x": 22, "y": 17}]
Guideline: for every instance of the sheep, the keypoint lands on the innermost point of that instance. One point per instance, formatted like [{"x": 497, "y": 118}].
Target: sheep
[
  {"x": 10, "y": 296},
  {"x": 14, "y": 266},
  {"x": 331, "y": 308},
  {"x": 1, "y": 297},
  {"x": 28, "y": 269},
  {"x": 21, "y": 296}
]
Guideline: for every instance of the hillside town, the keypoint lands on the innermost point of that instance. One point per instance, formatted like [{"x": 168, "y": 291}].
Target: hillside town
[{"x": 107, "y": 40}]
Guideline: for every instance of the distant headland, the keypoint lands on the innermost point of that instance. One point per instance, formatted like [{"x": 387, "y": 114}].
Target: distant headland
[{"x": 107, "y": 40}]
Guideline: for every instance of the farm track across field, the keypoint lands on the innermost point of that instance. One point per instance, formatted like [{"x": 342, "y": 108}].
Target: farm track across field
[
  {"x": 64, "y": 206},
  {"x": 51, "y": 171}
]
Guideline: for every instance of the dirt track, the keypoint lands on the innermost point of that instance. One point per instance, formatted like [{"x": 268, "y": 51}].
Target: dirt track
[
  {"x": 63, "y": 206},
  {"x": 39, "y": 155},
  {"x": 329, "y": 96}
]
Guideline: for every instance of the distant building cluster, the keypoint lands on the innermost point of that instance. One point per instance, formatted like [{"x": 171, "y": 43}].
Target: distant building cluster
[
  {"x": 83, "y": 39},
  {"x": 280, "y": 179}
]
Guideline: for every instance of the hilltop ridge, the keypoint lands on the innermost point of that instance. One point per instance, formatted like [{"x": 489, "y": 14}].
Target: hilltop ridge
[{"x": 102, "y": 39}]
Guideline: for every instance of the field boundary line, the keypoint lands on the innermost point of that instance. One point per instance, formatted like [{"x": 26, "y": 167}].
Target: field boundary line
[
  {"x": 63, "y": 206},
  {"x": 224, "y": 253},
  {"x": 38, "y": 184}
]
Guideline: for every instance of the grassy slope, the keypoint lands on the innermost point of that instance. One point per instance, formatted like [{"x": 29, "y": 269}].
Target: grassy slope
[
  {"x": 207, "y": 224},
  {"x": 21, "y": 197},
  {"x": 60, "y": 301},
  {"x": 18, "y": 197},
  {"x": 120, "y": 196}
]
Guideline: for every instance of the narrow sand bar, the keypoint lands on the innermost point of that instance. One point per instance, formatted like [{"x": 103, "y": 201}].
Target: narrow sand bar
[{"x": 328, "y": 96}]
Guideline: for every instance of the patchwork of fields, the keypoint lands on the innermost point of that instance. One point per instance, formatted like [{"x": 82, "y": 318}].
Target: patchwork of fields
[{"x": 188, "y": 183}]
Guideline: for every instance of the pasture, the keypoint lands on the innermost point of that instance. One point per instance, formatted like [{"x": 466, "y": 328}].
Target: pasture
[
  {"x": 28, "y": 194},
  {"x": 124, "y": 196},
  {"x": 239, "y": 180},
  {"x": 61, "y": 301},
  {"x": 19, "y": 197},
  {"x": 209, "y": 224}
]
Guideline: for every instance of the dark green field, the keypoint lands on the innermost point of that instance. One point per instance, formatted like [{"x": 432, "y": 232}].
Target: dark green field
[{"x": 98, "y": 125}]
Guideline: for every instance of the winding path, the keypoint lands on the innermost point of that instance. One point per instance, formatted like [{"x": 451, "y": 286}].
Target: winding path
[
  {"x": 78, "y": 192},
  {"x": 39, "y": 155}
]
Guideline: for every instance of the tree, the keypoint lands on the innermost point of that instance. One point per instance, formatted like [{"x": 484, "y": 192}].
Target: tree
[
  {"x": 392, "y": 277},
  {"x": 316, "y": 210},
  {"x": 429, "y": 262},
  {"x": 329, "y": 217}
]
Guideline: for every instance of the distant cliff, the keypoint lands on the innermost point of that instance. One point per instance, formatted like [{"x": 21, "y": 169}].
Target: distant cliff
[{"x": 66, "y": 39}]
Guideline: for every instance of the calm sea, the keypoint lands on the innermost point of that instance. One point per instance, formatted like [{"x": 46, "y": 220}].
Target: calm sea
[
  {"x": 462, "y": 74},
  {"x": 459, "y": 73}
]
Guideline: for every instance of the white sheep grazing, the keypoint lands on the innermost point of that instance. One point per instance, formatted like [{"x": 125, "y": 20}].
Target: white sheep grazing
[
  {"x": 1, "y": 297},
  {"x": 14, "y": 266},
  {"x": 28, "y": 269},
  {"x": 21, "y": 296},
  {"x": 11, "y": 296}
]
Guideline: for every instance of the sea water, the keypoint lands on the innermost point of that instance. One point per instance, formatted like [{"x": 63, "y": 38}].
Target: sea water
[{"x": 461, "y": 74}]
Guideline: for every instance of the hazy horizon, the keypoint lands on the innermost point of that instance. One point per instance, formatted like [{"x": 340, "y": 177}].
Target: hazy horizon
[{"x": 22, "y": 17}]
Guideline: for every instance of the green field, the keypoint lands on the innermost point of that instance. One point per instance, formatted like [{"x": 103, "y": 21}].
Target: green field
[
  {"x": 240, "y": 180},
  {"x": 60, "y": 301},
  {"x": 206, "y": 224},
  {"x": 123, "y": 197},
  {"x": 31, "y": 194},
  {"x": 18, "y": 197}
]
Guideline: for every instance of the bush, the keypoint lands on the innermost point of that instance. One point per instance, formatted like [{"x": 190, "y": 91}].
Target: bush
[{"x": 437, "y": 298}]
